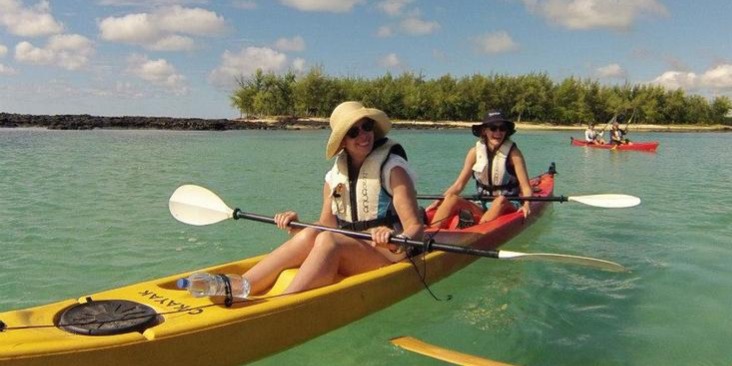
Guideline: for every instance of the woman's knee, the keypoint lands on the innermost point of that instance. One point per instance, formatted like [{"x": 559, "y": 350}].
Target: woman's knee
[
  {"x": 451, "y": 199},
  {"x": 325, "y": 242}
]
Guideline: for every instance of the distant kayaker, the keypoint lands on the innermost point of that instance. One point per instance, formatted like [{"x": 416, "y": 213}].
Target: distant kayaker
[
  {"x": 369, "y": 188},
  {"x": 499, "y": 170},
  {"x": 617, "y": 135},
  {"x": 592, "y": 136}
]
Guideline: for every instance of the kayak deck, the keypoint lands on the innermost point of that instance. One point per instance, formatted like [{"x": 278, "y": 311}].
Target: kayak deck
[{"x": 186, "y": 328}]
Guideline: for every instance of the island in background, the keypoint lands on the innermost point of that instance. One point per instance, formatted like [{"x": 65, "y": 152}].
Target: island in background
[{"x": 88, "y": 122}]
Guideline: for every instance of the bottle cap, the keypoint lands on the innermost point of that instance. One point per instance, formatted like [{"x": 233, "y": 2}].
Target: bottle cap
[{"x": 183, "y": 283}]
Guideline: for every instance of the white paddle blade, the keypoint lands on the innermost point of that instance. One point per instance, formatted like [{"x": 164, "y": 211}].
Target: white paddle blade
[
  {"x": 195, "y": 205},
  {"x": 607, "y": 200},
  {"x": 563, "y": 258}
]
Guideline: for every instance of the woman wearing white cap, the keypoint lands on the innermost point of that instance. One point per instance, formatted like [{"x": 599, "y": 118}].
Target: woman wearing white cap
[
  {"x": 498, "y": 167},
  {"x": 369, "y": 188}
]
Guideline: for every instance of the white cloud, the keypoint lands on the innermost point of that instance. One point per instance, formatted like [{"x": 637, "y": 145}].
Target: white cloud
[
  {"x": 69, "y": 51},
  {"x": 496, "y": 42},
  {"x": 419, "y": 27},
  {"x": 716, "y": 79},
  {"x": 332, "y": 6},
  {"x": 393, "y": 7},
  {"x": 676, "y": 79},
  {"x": 31, "y": 21},
  {"x": 7, "y": 70},
  {"x": 611, "y": 71},
  {"x": 298, "y": 65},
  {"x": 164, "y": 29},
  {"x": 194, "y": 21},
  {"x": 588, "y": 14},
  {"x": 245, "y": 63},
  {"x": 719, "y": 78},
  {"x": 294, "y": 44},
  {"x": 3, "y": 50},
  {"x": 390, "y": 61},
  {"x": 172, "y": 43},
  {"x": 158, "y": 72}
]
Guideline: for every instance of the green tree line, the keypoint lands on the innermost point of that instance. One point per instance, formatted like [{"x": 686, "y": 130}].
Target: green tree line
[{"x": 532, "y": 98}]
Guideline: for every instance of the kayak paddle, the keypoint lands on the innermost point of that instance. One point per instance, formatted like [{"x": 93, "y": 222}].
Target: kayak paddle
[
  {"x": 596, "y": 200},
  {"x": 442, "y": 354},
  {"x": 199, "y": 206}
]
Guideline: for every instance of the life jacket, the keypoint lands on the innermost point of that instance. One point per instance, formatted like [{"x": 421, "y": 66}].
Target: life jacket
[
  {"x": 365, "y": 202},
  {"x": 616, "y": 135},
  {"x": 492, "y": 178}
]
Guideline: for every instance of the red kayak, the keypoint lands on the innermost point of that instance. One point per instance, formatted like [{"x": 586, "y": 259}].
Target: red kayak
[{"x": 649, "y": 146}]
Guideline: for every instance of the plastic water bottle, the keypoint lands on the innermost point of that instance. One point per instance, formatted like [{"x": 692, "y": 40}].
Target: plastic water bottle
[{"x": 202, "y": 284}]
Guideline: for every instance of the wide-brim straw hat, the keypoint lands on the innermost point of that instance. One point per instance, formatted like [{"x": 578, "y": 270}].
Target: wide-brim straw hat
[
  {"x": 345, "y": 115},
  {"x": 494, "y": 118}
]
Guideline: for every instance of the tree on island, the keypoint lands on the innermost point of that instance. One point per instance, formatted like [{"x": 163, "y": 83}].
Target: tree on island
[{"x": 533, "y": 97}]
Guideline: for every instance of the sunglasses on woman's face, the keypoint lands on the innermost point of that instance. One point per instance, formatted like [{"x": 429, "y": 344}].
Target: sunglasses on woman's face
[
  {"x": 494, "y": 128},
  {"x": 366, "y": 126}
]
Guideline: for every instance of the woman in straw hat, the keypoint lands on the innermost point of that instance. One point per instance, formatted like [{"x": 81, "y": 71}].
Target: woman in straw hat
[
  {"x": 369, "y": 188},
  {"x": 498, "y": 167}
]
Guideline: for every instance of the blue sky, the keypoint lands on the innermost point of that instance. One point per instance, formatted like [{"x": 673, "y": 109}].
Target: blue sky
[{"x": 179, "y": 58}]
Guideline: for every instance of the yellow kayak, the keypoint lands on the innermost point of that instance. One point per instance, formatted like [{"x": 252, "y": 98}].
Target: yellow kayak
[{"x": 159, "y": 324}]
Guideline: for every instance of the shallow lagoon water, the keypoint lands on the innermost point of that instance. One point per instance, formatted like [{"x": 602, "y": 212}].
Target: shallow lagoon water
[{"x": 83, "y": 211}]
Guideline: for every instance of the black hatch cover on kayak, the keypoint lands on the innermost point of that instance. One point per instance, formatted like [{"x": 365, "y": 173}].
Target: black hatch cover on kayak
[{"x": 107, "y": 317}]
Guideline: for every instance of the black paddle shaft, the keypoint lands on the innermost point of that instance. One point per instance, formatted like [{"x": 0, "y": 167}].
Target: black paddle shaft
[
  {"x": 427, "y": 245},
  {"x": 476, "y": 197}
]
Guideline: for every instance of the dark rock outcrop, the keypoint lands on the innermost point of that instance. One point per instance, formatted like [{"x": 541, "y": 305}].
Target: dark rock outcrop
[{"x": 88, "y": 122}]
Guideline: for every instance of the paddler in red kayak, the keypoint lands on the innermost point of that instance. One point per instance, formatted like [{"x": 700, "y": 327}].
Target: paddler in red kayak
[
  {"x": 369, "y": 188},
  {"x": 617, "y": 135},
  {"x": 592, "y": 136},
  {"x": 499, "y": 170}
]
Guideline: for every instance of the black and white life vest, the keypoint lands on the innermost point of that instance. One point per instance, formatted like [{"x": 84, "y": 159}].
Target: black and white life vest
[
  {"x": 367, "y": 201},
  {"x": 492, "y": 178}
]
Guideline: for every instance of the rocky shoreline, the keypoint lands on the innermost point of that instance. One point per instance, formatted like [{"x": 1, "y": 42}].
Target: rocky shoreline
[{"x": 88, "y": 122}]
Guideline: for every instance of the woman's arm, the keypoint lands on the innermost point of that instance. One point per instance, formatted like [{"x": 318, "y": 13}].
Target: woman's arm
[
  {"x": 519, "y": 164},
  {"x": 405, "y": 203},
  {"x": 327, "y": 218}
]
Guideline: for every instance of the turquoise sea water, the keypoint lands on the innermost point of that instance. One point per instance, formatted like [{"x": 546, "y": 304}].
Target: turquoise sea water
[{"x": 83, "y": 211}]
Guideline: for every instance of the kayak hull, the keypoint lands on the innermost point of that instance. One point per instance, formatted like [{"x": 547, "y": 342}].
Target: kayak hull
[
  {"x": 198, "y": 331},
  {"x": 649, "y": 146}
]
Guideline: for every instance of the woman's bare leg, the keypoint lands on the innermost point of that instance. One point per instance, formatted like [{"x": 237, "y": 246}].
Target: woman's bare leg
[
  {"x": 334, "y": 254},
  {"x": 445, "y": 210},
  {"x": 291, "y": 253},
  {"x": 499, "y": 206}
]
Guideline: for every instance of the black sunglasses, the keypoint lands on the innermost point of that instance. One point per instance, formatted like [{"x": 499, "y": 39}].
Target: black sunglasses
[
  {"x": 366, "y": 126},
  {"x": 494, "y": 128}
]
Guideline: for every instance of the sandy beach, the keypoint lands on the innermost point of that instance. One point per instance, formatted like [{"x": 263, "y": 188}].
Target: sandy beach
[{"x": 316, "y": 123}]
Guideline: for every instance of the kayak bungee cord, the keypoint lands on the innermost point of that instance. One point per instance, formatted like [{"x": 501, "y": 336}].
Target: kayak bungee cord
[{"x": 423, "y": 275}]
